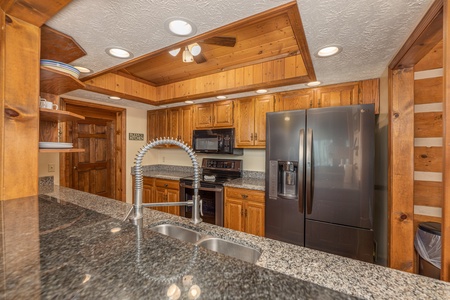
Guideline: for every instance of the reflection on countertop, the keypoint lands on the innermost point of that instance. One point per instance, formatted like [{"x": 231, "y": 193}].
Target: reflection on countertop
[{"x": 73, "y": 252}]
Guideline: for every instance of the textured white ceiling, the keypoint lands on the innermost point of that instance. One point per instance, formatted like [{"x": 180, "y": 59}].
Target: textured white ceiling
[{"x": 370, "y": 31}]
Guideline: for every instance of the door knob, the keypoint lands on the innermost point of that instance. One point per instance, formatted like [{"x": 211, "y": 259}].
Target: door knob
[{"x": 74, "y": 167}]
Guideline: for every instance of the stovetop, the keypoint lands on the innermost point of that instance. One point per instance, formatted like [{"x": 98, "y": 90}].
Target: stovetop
[{"x": 218, "y": 171}]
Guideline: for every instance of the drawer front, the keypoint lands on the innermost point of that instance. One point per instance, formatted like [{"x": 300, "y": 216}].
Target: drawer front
[
  {"x": 148, "y": 180},
  {"x": 245, "y": 194},
  {"x": 167, "y": 184}
]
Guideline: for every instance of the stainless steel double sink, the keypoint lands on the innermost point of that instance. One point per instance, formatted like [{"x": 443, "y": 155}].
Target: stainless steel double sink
[{"x": 228, "y": 248}]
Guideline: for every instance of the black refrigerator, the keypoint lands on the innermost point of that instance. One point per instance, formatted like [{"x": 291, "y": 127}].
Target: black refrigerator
[{"x": 319, "y": 179}]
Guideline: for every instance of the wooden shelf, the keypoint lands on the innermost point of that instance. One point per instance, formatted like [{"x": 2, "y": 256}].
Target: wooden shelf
[
  {"x": 61, "y": 150},
  {"x": 54, "y": 115},
  {"x": 57, "y": 83}
]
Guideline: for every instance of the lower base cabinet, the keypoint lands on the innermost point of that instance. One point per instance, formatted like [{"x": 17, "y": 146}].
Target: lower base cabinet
[
  {"x": 160, "y": 190},
  {"x": 244, "y": 210}
]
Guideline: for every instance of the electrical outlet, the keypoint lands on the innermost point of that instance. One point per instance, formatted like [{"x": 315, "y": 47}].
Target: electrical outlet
[
  {"x": 51, "y": 167},
  {"x": 164, "y": 159}
]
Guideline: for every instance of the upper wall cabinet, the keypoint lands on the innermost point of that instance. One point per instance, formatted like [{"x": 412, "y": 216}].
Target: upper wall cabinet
[
  {"x": 179, "y": 123},
  {"x": 251, "y": 121},
  {"x": 156, "y": 124},
  {"x": 213, "y": 115},
  {"x": 352, "y": 93}
]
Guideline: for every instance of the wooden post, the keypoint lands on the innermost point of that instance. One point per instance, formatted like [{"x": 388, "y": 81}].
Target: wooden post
[
  {"x": 19, "y": 103},
  {"x": 445, "y": 262},
  {"x": 401, "y": 169}
]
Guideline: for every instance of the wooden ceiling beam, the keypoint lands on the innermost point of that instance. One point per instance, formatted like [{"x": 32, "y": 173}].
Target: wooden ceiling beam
[
  {"x": 427, "y": 34},
  {"x": 35, "y": 12}
]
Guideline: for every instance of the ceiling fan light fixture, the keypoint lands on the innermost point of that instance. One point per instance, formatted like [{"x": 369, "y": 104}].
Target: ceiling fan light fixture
[
  {"x": 187, "y": 56},
  {"x": 174, "y": 52},
  {"x": 195, "y": 49},
  {"x": 180, "y": 26},
  {"x": 328, "y": 51}
]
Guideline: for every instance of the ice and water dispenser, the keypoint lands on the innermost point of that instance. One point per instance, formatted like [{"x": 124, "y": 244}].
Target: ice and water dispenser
[{"x": 283, "y": 181}]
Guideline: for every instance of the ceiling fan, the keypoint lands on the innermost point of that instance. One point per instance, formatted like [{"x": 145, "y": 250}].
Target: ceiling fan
[{"x": 192, "y": 52}]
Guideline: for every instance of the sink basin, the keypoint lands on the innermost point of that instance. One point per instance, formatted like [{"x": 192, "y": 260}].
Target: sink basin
[
  {"x": 230, "y": 249},
  {"x": 178, "y": 232}
]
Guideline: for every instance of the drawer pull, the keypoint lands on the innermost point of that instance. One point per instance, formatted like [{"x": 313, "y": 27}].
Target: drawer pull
[{"x": 244, "y": 196}]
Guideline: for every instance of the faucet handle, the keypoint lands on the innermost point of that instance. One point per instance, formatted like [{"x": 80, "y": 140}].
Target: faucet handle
[{"x": 201, "y": 206}]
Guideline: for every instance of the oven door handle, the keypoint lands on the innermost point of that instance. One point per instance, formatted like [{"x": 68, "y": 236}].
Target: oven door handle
[{"x": 202, "y": 188}]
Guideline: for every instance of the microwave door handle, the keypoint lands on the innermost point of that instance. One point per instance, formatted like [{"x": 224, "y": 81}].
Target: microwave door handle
[{"x": 301, "y": 169}]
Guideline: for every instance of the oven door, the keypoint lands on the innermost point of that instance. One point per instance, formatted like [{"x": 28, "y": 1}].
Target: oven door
[{"x": 212, "y": 201}]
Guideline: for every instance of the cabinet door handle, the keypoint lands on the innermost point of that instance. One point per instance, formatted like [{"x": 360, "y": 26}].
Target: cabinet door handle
[
  {"x": 242, "y": 212},
  {"x": 244, "y": 196},
  {"x": 166, "y": 185},
  {"x": 251, "y": 137}
]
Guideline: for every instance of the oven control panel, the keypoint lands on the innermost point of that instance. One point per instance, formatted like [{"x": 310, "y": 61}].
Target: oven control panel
[{"x": 222, "y": 164}]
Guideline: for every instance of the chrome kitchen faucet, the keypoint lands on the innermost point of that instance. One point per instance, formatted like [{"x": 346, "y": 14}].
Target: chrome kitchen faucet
[{"x": 138, "y": 206}]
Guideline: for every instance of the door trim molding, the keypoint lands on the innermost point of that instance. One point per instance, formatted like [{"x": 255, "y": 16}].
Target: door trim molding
[{"x": 119, "y": 155}]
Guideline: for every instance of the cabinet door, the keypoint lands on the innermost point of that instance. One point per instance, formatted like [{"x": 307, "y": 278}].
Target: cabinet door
[
  {"x": 161, "y": 196},
  {"x": 186, "y": 124},
  {"x": 254, "y": 218},
  {"x": 338, "y": 95},
  {"x": 173, "y": 196},
  {"x": 203, "y": 114},
  {"x": 234, "y": 214},
  {"x": 262, "y": 105},
  {"x": 302, "y": 99},
  {"x": 156, "y": 124},
  {"x": 173, "y": 123},
  {"x": 223, "y": 114},
  {"x": 245, "y": 121}
]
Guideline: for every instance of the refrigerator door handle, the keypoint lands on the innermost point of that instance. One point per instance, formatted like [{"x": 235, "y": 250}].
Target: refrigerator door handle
[
  {"x": 309, "y": 167},
  {"x": 301, "y": 170}
]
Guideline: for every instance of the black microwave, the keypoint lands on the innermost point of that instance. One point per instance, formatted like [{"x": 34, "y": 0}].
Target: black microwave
[{"x": 215, "y": 141}]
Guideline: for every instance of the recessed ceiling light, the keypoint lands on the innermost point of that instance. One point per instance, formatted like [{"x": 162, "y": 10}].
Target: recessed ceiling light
[
  {"x": 180, "y": 26},
  {"x": 189, "y": 101},
  {"x": 261, "y": 91},
  {"x": 118, "y": 52},
  {"x": 328, "y": 51},
  {"x": 114, "y": 98},
  {"x": 83, "y": 69},
  {"x": 221, "y": 97},
  {"x": 313, "y": 83}
]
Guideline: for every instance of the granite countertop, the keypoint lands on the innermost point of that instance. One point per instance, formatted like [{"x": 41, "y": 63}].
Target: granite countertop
[
  {"x": 247, "y": 183},
  {"x": 283, "y": 271}
]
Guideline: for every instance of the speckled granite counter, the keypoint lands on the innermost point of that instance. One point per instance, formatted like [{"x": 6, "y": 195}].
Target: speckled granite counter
[
  {"x": 86, "y": 260},
  {"x": 247, "y": 183},
  {"x": 166, "y": 171}
]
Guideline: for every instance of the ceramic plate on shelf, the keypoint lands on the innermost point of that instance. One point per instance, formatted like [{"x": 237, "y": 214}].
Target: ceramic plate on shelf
[{"x": 53, "y": 145}]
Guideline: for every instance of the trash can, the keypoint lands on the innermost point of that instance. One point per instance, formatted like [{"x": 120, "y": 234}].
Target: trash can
[{"x": 428, "y": 244}]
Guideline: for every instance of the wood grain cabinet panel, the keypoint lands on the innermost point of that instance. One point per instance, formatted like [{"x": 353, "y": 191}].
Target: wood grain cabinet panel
[
  {"x": 213, "y": 115},
  {"x": 301, "y": 99},
  {"x": 337, "y": 95},
  {"x": 251, "y": 121},
  {"x": 160, "y": 190},
  {"x": 245, "y": 210},
  {"x": 156, "y": 124}
]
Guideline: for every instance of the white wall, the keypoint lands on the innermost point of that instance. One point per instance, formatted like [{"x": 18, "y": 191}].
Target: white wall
[{"x": 44, "y": 160}]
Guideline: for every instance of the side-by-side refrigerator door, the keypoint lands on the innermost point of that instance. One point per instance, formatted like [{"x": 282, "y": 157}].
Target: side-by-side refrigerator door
[
  {"x": 285, "y": 165},
  {"x": 339, "y": 180}
]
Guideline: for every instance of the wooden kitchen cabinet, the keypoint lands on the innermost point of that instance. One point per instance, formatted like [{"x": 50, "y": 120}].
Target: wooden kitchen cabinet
[
  {"x": 179, "y": 123},
  {"x": 244, "y": 210},
  {"x": 156, "y": 124},
  {"x": 213, "y": 115},
  {"x": 337, "y": 95},
  {"x": 160, "y": 190},
  {"x": 168, "y": 191},
  {"x": 294, "y": 100},
  {"x": 251, "y": 121}
]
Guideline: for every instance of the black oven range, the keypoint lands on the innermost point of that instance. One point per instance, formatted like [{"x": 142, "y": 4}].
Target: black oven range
[{"x": 215, "y": 172}]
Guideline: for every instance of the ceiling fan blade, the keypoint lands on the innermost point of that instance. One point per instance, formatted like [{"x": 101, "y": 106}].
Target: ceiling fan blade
[
  {"x": 225, "y": 41},
  {"x": 200, "y": 58}
]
